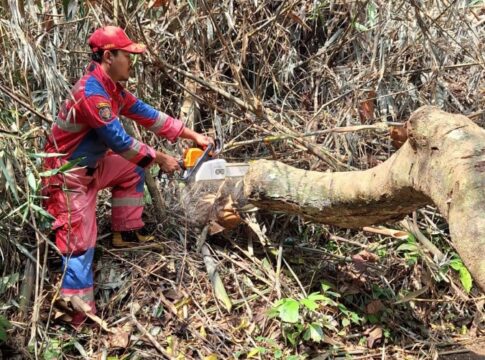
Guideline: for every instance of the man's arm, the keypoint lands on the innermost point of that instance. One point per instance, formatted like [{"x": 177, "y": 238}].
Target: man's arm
[
  {"x": 99, "y": 115},
  {"x": 159, "y": 122},
  {"x": 145, "y": 115}
]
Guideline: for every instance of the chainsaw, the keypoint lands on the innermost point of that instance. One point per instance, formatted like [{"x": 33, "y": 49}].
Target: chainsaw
[{"x": 204, "y": 165}]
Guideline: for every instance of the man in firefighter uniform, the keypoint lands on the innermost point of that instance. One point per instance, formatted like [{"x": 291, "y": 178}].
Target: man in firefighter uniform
[{"x": 88, "y": 131}]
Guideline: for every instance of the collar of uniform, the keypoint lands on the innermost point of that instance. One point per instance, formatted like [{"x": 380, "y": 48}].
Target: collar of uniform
[{"x": 108, "y": 83}]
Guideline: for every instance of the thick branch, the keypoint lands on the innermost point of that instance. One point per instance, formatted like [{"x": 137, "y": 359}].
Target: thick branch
[{"x": 443, "y": 162}]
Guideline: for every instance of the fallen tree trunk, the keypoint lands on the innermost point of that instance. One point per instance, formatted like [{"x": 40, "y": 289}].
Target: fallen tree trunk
[{"x": 441, "y": 163}]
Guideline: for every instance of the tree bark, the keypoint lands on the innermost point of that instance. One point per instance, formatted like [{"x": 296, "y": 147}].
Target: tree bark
[{"x": 441, "y": 163}]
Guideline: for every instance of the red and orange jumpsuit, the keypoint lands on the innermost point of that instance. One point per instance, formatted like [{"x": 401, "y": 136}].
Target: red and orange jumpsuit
[{"x": 88, "y": 130}]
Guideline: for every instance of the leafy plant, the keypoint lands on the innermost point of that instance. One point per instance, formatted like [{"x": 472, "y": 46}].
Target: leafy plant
[
  {"x": 465, "y": 277},
  {"x": 301, "y": 319},
  {"x": 267, "y": 347},
  {"x": 4, "y": 326},
  {"x": 304, "y": 320},
  {"x": 410, "y": 250}
]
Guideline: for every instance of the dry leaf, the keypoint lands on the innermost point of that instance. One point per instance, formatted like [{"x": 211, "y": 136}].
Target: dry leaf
[
  {"x": 120, "y": 338},
  {"x": 374, "y": 337},
  {"x": 228, "y": 216},
  {"x": 158, "y": 3},
  {"x": 211, "y": 357},
  {"x": 215, "y": 228},
  {"x": 374, "y": 307},
  {"x": 366, "y": 108},
  {"x": 399, "y": 135},
  {"x": 294, "y": 16},
  {"x": 202, "y": 332},
  {"x": 362, "y": 258}
]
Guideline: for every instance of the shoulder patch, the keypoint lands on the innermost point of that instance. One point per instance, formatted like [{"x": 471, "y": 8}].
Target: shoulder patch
[
  {"x": 104, "y": 111},
  {"x": 102, "y": 104}
]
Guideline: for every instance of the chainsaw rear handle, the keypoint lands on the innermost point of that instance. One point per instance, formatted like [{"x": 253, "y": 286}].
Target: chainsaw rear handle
[
  {"x": 212, "y": 150},
  {"x": 217, "y": 147}
]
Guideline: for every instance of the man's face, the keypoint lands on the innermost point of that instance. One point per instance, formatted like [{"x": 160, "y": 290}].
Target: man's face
[{"x": 120, "y": 65}]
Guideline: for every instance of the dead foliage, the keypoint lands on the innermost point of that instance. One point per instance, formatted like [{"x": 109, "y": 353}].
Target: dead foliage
[{"x": 315, "y": 84}]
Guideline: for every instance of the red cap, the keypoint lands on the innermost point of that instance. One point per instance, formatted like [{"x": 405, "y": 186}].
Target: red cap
[{"x": 113, "y": 38}]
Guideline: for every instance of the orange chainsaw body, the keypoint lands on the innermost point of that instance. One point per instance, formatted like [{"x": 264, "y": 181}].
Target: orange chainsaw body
[{"x": 191, "y": 155}]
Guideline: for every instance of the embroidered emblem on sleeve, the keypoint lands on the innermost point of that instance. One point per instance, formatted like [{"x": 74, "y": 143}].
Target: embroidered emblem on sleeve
[{"x": 104, "y": 111}]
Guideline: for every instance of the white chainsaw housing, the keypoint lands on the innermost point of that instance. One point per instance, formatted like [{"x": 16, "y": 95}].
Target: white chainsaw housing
[{"x": 219, "y": 169}]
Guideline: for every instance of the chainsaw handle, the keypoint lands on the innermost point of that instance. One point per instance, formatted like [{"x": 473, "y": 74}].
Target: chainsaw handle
[{"x": 217, "y": 147}]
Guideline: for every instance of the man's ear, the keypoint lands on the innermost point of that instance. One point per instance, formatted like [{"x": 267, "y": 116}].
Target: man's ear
[{"x": 107, "y": 56}]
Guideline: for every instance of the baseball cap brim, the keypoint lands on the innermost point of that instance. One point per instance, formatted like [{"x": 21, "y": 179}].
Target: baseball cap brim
[{"x": 134, "y": 48}]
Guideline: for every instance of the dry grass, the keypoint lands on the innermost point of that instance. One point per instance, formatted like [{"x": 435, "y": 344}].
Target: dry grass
[{"x": 245, "y": 70}]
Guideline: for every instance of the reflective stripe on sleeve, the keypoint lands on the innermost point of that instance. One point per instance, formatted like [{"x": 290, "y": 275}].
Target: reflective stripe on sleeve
[
  {"x": 138, "y": 201},
  {"x": 158, "y": 125}
]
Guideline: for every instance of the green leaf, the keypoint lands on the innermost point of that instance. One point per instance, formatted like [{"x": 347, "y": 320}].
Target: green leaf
[
  {"x": 49, "y": 172},
  {"x": 24, "y": 205},
  {"x": 5, "y": 283},
  {"x": 45, "y": 155},
  {"x": 310, "y": 304},
  {"x": 25, "y": 214},
  {"x": 475, "y": 2},
  {"x": 3, "y": 334},
  {"x": 289, "y": 310},
  {"x": 70, "y": 164},
  {"x": 31, "y": 180},
  {"x": 4, "y": 323},
  {"x": 355, "y": 318},
  {"x": 147, "y": 198},
  {"x": 326, "y": 286},
  {"x": 316, "y": 296},
  {"x": 192, "y": 5},
  {"x": 407, "y": 247},
  {"x": 465, "y": 277},
  {"x": 42, "y": 211},
  {"x": 360, "y": 27},
  {"x": 273, "y": 312},
  {"x": 373, "y": 319},
  {"x": 53, "y": 350},
  {"x": 64, "y": 168},
  {"x": 345, "y": 322},
  {"x": 371, "y": 14},
  {"x": 315, "y": 332},
  {"x": 456, "y": 264},
  {"x": 293, "y": 337},
  {"x": 12, "y": 184}
]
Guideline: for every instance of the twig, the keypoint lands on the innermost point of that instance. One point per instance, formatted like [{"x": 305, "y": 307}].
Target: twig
[
  {"x": 342, "y": 129},
  {"x": 16, "y": 98},
  {"x": 217, "y": 284},
  {"x": 150, "y": 337},
  {"x": 413, "y": 228}
]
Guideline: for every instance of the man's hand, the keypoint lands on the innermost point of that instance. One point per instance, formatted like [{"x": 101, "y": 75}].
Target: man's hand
[
  {"x": 168, "y": 164},
  {"x": 203, "y": 141}
]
